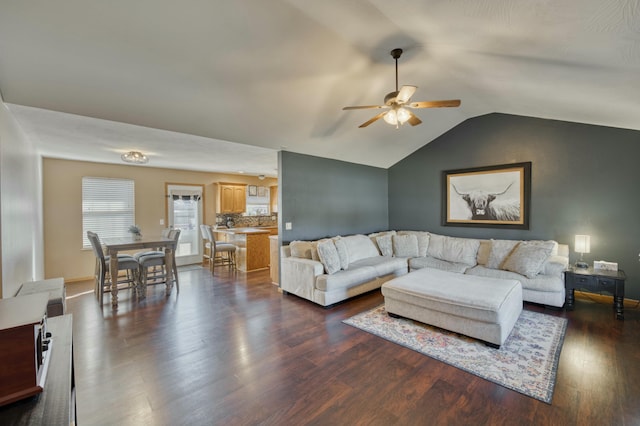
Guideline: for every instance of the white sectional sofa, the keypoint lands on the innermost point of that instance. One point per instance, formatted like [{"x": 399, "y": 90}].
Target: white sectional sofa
[{"x": 331, "y": 270}]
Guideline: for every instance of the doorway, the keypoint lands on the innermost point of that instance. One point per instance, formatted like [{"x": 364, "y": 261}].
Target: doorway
[{"x": 184, "y": 208}]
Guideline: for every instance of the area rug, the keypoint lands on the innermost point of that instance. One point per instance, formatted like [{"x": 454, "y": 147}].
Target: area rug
[{"x": 527, "y": 362}]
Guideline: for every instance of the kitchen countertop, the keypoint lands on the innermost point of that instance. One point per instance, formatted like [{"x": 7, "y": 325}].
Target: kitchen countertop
[{"x": 242, "y": 231}]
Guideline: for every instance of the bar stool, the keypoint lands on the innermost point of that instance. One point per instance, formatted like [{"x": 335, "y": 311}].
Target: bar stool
[{"x": 221, "y": 253}]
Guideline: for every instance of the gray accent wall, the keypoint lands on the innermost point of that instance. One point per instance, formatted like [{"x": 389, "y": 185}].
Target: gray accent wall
[
  {"x": 585, "y": 180},
  {"x": 323, "y": 197}
]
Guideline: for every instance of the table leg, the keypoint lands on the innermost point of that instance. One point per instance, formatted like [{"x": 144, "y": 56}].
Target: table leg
[
  {"x": 171, "y": 271},
  {"x": 569, "y": 299},
  {"x": 618, "y": 300},
  {"x": 113, "y": 268}
]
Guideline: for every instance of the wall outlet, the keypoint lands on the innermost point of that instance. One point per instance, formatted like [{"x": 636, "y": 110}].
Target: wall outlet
[{"x": 288, "y": 226}]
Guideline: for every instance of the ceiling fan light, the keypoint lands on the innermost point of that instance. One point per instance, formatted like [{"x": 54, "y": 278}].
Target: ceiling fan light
[
  {"x": 391, "y": 117},
  {"x": 402, "y": 115}
]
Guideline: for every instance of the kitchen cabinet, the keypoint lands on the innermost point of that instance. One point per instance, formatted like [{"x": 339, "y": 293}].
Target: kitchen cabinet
[{"x": 231, "y": 198}]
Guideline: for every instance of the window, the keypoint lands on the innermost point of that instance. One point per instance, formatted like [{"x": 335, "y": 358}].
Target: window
[
  {"x": 258, "y": 203},
  {"x": 107, "y": 207}
]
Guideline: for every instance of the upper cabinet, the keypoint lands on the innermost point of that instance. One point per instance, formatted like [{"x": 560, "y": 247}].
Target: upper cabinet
[
  {"x": 273, "y": 199},
  {"x": 231, "y": 198}
]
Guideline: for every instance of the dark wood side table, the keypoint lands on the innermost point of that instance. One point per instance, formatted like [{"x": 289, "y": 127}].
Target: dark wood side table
[{"x": 595, "y": 280}]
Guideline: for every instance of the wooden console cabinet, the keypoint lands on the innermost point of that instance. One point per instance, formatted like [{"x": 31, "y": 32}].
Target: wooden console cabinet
[{"x": 56, "y": 405}]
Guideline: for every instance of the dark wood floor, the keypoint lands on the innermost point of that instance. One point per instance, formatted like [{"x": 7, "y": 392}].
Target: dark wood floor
[{"x": 232, "y": 350}]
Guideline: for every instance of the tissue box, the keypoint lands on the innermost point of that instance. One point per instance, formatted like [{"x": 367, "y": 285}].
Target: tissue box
[{"x": 605, "y": 266}]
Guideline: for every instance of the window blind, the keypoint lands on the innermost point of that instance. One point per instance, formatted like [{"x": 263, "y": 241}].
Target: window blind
[{"x": 108, "y": 207}]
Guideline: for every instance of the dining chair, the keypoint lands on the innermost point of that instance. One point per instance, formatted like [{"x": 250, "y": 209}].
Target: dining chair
[
  {"x": 103, "y": 273},
  {"x": 153, "y": 267},
  {"x": 221, "y": 253}
]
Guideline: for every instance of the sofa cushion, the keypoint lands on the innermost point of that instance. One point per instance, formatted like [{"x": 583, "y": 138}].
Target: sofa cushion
[
  {"x": 343, "y": 253},
  {"x": 383, "y": 265},
  {"x": 423, "y": 240},
  {"x": 539, "y": 283},
  {"x": 451, "y": 249},
  {"x": 528, "y": 257},
  {"x": 345, "y": 279},
  {"x": 500, "y": 250},
  {"x": 360, "y": 247},
  {"x": 385, "y": 245},
  {"x": 405, "y": 245},
  {"x": 432, "y": 262},
  {"x": 329, "y": 256}
]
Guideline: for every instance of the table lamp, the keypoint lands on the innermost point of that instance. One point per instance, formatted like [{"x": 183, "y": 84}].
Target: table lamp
[{"x": 582, "y": 245}]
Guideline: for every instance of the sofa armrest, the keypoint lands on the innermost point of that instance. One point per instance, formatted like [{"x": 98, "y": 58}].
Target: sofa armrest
[
  {"x": 298, "y": 276},
  {"x": 555, "y": 265}
]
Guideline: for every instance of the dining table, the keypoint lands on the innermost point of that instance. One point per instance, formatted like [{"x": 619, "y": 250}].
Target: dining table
[{"x": 118, "y": 244}]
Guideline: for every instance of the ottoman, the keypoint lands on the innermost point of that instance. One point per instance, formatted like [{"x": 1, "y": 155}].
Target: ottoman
[
  {"x": 479, "y": 307},
  {"x": 55, "y": 289}
]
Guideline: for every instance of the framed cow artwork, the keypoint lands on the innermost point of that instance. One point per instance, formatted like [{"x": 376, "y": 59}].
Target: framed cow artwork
[{"x": 491, "y": 196}]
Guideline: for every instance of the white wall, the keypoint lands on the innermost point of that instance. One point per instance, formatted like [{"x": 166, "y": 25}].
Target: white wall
[{"x": 22, "y": 252}]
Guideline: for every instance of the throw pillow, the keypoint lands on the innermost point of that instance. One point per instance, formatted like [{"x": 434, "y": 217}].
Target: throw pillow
[
  {"x": 328, "y": 255},
  {"x": 379, "y": 234},
  {"x": 405, "y": 245},
  {"x": 423, "y": 240},
  {"x": 527, "y": 259},
  {"x": 385, "y": 245},
  {"x": 343, "y": 253},
  {"x": 483, "y": 252},
  {"x": 500, "y": 250},
  {"x": 301, "y": 249}
]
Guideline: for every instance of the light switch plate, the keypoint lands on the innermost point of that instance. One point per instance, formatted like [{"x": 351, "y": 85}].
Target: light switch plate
[{"x": 288, "y": 226}]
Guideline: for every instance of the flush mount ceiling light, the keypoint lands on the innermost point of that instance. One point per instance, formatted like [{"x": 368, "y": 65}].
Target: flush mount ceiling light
[{"x": 134, "y": 157}]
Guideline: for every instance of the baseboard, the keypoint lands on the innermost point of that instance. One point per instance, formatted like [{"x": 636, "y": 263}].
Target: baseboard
[{"x": 603, "y": 298}]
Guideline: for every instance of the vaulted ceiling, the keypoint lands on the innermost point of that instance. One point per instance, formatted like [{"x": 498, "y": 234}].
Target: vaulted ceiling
[{"x": 223, "y": 85}]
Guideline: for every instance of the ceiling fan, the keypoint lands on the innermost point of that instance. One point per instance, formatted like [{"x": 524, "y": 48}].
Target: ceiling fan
[{"x": 396, "y": 103}]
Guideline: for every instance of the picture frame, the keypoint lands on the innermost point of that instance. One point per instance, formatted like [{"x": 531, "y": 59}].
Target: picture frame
[
  {"x": 262, "y": 191},
  {"x": 492, "y": 196},
  {"x": 253, "y": 190}
]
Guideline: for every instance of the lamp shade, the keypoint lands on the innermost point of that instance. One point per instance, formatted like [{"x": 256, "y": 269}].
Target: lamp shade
[{"x": 583, "y": 244}]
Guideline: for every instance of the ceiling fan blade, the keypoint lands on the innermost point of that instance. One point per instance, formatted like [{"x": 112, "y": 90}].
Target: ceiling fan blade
[
  {"x": 377, "y": 117},
  {"x": 405, "y": 93},
  {"x": 435, "y": 104},
  {"x": 413, "y": 120},
  {"x": 364, "y": 107}
]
